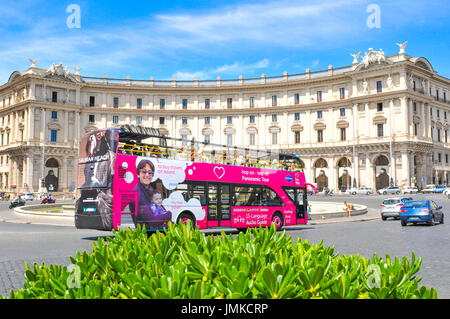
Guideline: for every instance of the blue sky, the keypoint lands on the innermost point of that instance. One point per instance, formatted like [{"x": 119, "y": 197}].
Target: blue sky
[{"x": 206, "y": 39}]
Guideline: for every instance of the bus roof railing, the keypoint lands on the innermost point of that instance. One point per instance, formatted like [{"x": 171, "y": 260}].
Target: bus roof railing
[{"x": 131, "y": 132}]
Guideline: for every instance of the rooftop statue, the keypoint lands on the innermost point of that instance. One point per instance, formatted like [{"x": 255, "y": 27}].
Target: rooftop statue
[
  {"x": 373, "y": 57},
  {"x": 402, "y": 47}
]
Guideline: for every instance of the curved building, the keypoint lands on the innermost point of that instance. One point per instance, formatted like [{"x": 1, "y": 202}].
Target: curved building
[{"x": 381, "y": 120}]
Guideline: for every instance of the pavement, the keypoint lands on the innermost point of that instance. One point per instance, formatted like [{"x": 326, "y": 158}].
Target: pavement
[
  {"x": 18, "y": 217},
  {"x": 321, "y": 213}
]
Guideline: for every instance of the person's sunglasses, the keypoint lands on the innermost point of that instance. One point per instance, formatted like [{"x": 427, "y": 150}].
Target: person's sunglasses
[{"x": 146, "y": 171}]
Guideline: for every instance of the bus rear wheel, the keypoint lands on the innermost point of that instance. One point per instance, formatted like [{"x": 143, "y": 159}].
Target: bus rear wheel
[
  {"x": 185, "y": 217},
  {"x": 277, "y": 219}
]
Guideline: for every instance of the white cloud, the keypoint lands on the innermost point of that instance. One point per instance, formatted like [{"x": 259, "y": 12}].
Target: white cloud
[
  {"x": 279, "y": 22},
  {"x": 234, "y": 70}
]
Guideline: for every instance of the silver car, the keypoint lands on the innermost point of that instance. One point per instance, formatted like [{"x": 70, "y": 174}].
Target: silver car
[
  {"x": 390, "y": 207},
  {"x": 410, "y": 190},
  {"x": 361, "y": 190},
  {"x": 428, "y": 189},
  {"x": 389, "y": 190}
]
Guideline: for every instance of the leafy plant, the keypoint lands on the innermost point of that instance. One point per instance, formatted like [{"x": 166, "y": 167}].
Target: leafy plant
[{"x": 185, "y": 263}]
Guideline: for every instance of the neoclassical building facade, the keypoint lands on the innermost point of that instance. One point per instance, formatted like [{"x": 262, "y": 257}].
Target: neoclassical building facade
[{"x": 381, "y": 120}]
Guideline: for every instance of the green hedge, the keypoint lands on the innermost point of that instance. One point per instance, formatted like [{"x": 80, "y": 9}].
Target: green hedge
[{"x": 186, "y": 263}]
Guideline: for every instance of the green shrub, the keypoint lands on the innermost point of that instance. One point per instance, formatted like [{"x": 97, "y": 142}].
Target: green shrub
[{"x": 185, "y": 263}]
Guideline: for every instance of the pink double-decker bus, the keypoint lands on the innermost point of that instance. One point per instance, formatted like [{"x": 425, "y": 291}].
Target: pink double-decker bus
[{"x": 124, "y": 182}]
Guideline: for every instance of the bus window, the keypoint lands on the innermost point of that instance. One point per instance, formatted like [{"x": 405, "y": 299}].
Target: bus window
[
  {"x": 197, "y": 190},
  {"x": 192, "y": 190},
  {"x": 270, "y": 198},
  {"x": 241, "y": 195},
  {"x": 291, "y": 193},
  {"x": 300, "y": 196},
  {"x": 254, "y": 198}
]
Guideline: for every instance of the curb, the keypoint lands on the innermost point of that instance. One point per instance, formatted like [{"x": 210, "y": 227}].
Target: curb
[
  {"x": 372, "y": 214},
  {"x": 359, "y": 210},
  {"x": 335, "y": 221},
  {"x": 26, "y": 211}
]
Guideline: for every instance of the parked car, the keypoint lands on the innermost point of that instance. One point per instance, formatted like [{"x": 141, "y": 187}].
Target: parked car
[
  {"x": 389, "y": 190},
  {"x": 390, "y": 207},
  {"x": 429, "y": 188},
  {"x": 421, "y": 211},
  {"x": 16, "y": 202},
  {"x": 27, "y": 196},
  {"x": 361, "y": 190},
  {"x": 446, "y": 192},
  {"x": 410, "y": 190},
  {"x": 439, "y": 189}
]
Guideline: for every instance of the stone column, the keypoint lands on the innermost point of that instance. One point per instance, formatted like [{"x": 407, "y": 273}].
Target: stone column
[
  {"x": 66, "y": 126},
  {"x": 428, "y": 116},
  {"x": 76, "y": 138},
  {"x": 63, "y": 178},
  {"x": 30, "y": 128},
  {"x": 370, "y": 172},
  {"x": 29, "y": 171},
  {"x": 77, "y": 96},
  {"x": 32, "y": 93},
  {"x": 423, "y": 121},
  {"x": 332, "y": 174},
  {"x": 404, "y": 106},
  {"x": 429, "y": 166},
  {"x": 406, "y": 172},
  {"x": 13, "y": 128},
  {"x": 12, "y": 170},
  {"x": 410, "y": 117}
]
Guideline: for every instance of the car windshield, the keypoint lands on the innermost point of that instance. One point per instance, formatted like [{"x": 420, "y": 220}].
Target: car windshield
[
  {"x": 415, "y": 203},
  {"x": 391, "y": 201}
]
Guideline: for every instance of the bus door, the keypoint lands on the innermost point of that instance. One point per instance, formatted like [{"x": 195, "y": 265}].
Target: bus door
[
  {"x": 301, "y": 203},
  {"x": 219, "y": 205},
  {"x": 298, "y": 196}
]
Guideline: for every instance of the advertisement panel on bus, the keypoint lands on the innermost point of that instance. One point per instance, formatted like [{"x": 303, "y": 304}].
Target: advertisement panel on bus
[{"x": 95, "y": 176}]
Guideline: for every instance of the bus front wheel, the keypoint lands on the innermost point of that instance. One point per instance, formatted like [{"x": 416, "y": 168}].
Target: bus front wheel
[
  {"x": 277, "y": 219},
  {"x": 185, "y": 217}
]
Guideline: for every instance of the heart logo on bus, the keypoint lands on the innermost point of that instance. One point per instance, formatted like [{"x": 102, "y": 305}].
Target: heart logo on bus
[{"x": 219, "y": 172}]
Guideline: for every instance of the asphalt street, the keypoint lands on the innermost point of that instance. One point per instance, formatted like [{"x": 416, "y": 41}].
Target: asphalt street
[{"x": 53, "y": 244}]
